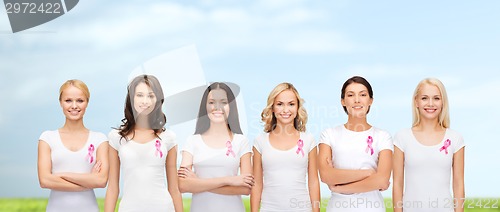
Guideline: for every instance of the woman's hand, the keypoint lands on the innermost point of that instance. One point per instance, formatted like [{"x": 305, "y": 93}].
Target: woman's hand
[
  {"x": 185, "y": 172},
  {"x": 242, "y": 180}
]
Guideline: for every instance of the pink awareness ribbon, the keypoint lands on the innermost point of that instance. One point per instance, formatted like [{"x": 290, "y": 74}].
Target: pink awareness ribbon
[
  {"x": 300, "y": 145},
  {"x": 369, "y": 141},
  {"x": 90, "y": 154},
  {"x": 230, "y": 149},
  {"x": 158, "y": 149},
  {"x": 447, "y": 144}
]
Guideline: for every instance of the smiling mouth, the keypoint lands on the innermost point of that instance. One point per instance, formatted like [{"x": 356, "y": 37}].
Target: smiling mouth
[
  {"x": 74, "y": 112},
  {"x": 430, "y": 110}
]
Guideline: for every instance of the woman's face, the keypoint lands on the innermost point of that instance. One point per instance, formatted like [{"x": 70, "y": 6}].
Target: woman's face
[
  {"x": 429, "y": 102},
  {"x": 357, "y": 100},
  {"x": 73, "y": 103},
  {"x": 285, "y": 107},
  {"x": 144, "y": 99},
  {"x": 217, "y": 106}
]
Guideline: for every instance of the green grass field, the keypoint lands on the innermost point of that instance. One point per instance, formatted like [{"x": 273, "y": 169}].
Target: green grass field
[{"x": 38, "y": 204}]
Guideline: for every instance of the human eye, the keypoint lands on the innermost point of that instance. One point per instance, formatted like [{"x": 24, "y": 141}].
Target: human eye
[
  {"x": 424, "y": 98},
  {"x": 363, "y": 94},
  {"x": 349, "y": 95},
  {"x": 80, "y": 100},
  {"x": 210, "y": 102},
  {"x": 68, "y": 100},
  {"x": 151, "y": 96},
  {"x": 437, "y": 98},
  {"x": 139, "y": 95}
]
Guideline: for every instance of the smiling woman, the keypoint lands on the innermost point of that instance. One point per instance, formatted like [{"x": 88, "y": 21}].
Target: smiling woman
[{"x": 72, "y": 160}]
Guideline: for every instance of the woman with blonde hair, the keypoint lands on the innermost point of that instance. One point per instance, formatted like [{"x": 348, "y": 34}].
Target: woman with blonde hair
[
  {"x": 73, "y": 160},
  {"x": 428, "y": 155},
  {"x": 284, "y": 160}
]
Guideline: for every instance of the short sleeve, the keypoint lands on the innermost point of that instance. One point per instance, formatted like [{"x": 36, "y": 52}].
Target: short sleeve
[
  {"x": 459, "y": 143},
  {"x": 399, "y": 141},
  {"x": 99, "y": 138},
  {"x": 48, "y": 137},
  {"x": 312, "y": 142},
  {"x": 244, "y": 147},
  {"x": 114, "y": 139},
  {"x": 325, "y": 138},
  {"x": 169, "y": 138},
  {"x": 189, "y": 146},
  {"x": 385, "y": 141},
  {"x": 257, "y": 143}
]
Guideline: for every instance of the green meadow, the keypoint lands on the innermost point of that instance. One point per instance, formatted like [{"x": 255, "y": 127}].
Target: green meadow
[{"x": 38, "y": 204}]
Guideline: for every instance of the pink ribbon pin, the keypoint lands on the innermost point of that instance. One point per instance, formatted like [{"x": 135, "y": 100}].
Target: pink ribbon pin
[
  {"x": 90, "y": 154},
  {"x": 369, "y": 141},
  {"x": 230, "y": 149},
  {"x": 447, "y": 144},
  {"x": 300, "y": 145},
  {"x": 158, "y": 149}
]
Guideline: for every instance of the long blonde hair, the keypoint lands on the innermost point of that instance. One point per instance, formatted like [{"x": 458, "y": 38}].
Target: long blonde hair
[
  {"x": 444, "y": 116},
  {"x": 268, "y": 116}
]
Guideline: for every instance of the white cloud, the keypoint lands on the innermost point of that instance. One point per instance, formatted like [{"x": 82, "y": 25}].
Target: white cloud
[{"x": 318, "y": 42}]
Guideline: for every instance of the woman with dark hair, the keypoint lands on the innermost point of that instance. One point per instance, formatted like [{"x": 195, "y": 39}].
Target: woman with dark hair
[
  {"x": 355, "y": 159},
  {"x": 73, "y": 160},
  {"x": 146, "y": 151},
  {"x": 217, "y": 151}
]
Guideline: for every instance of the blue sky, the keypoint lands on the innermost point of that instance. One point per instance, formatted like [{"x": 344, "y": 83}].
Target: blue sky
[{"x": 315, "y": 45}]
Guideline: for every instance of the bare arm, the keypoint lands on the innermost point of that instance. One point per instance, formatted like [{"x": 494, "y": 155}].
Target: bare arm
[
  {"x": 114, "y": 179},
  {"x": 245, "y": 168},
  {"x": 333, "y": 176},
  {"x": 45, "y": 176},
  {"x": 458, "y": 179},
  {"x": 96, "y": 179},
  {"x": 377, "y": 181},
  {"x": 398, "y": 179},
  {"x": 313, "y": 181},
  {"x": 256, "y": 193},
  {"x": 172, "y": 179},
  {"x": 188, "y": 182}
]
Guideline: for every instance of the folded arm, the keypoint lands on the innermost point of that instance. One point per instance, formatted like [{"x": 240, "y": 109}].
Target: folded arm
[
  {"x": 45, "y": 176},
  {"x": 333, "y": 176}
]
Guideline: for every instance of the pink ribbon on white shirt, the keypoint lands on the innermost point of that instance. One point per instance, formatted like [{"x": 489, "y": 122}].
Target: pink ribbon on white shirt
[
  {"x": 447, "y": 144},
  {"x": 230, "y": 149},
  {"x": 158, "y": 149},
  {"x": 369, "y": 141},
  {"x": 90, "y": 154},
  {"x": 300, "y": 145}
]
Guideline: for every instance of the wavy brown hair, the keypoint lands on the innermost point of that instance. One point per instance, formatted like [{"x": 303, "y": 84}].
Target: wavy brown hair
[{"x": 156, "y": 118}]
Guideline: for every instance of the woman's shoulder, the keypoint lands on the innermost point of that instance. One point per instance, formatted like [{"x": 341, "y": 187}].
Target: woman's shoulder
[
  {"x": 380, "y": 132},
  {"x": 168, "y": 135},
  {"x": 454, "y": 134},
  {"x": 48, "y": 135},
  {"x": 307, "y": 136},
  {"x": 98, "y": 135}
]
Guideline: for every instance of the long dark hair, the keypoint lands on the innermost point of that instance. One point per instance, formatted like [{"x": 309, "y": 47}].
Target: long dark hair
[
  {"x": 360, "y": 80},
  {"x": 156, "y": 118},
  {"x": 203, "y": 122}
]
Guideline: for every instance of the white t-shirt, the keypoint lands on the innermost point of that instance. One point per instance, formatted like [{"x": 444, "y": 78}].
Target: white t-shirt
[
  {"x": 285, "y": 175},
  {"x": 427, "y": 171},
  {"x": 211, "y": 162},
  {"x": 351, "y": 150},
  {"x": 143, "y": 172},
  {"x": 65, "y": 160}
]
